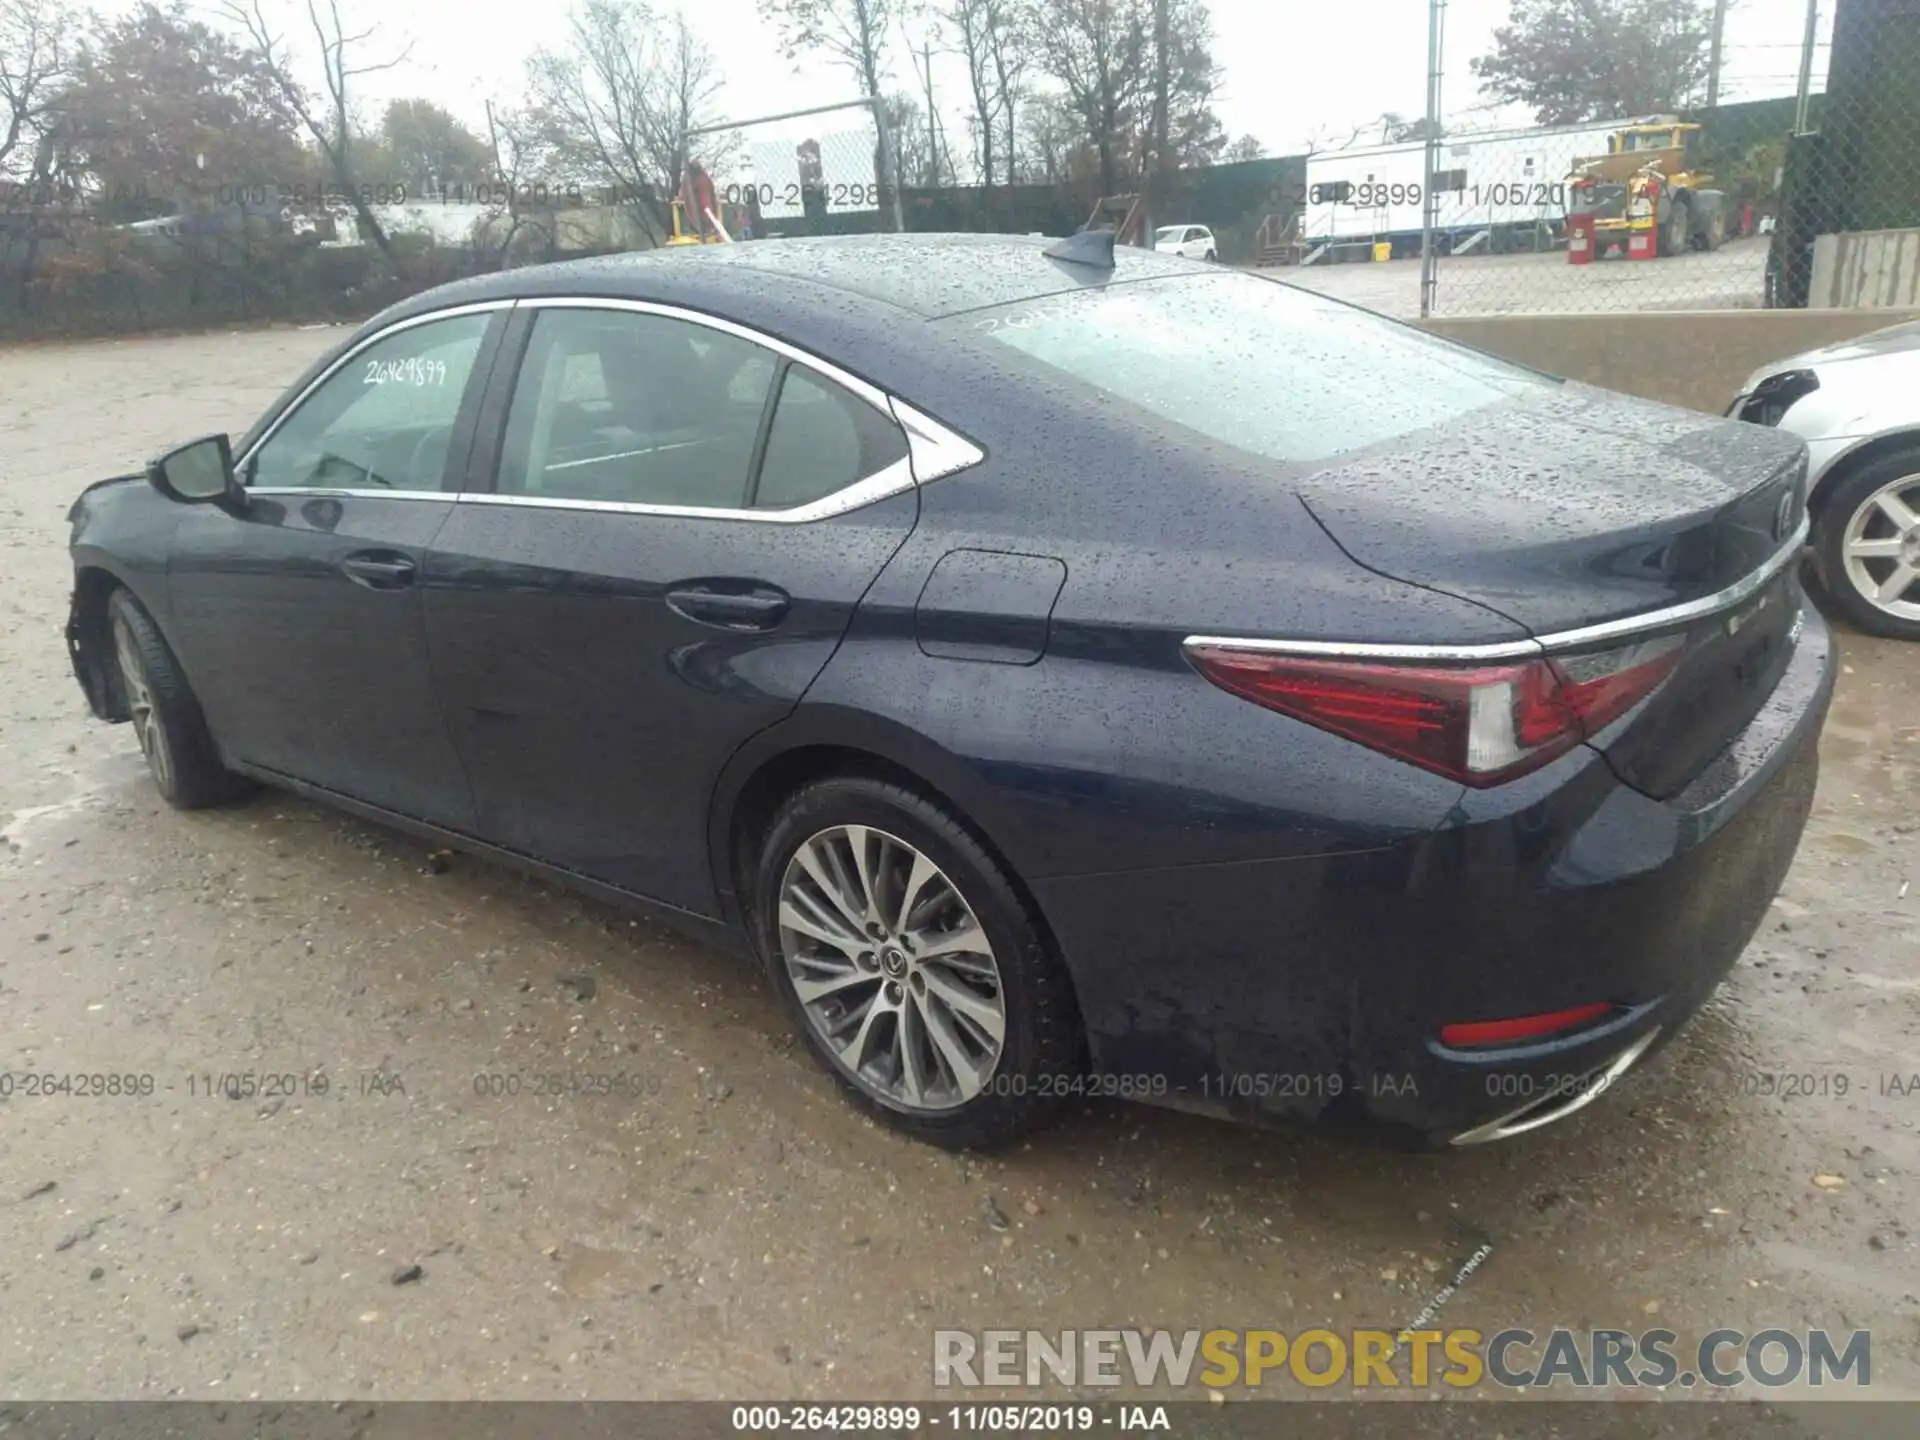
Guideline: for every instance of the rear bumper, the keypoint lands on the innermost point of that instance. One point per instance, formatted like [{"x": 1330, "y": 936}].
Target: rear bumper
[{"x": 1315, "y": 988}]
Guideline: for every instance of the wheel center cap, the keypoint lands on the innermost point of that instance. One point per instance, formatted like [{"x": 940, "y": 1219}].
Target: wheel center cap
[{"x": 894, "y": 962}]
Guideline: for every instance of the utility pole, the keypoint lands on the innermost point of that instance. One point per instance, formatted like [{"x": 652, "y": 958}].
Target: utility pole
[
  {"x": 936, "y": 139},
  {"x": 1806, "y": 68},
  {"x": 1713, "y": 52},
  {"x": 1436, "y": 28}
]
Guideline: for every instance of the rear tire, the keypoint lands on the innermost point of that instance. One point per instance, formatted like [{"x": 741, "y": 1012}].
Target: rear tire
[
  {"x": 933, "y": 998},
  {"x": 1211, "y": 257},
  {"x": 180, "y": 753},
  {"x": 1865, "y": 549}
]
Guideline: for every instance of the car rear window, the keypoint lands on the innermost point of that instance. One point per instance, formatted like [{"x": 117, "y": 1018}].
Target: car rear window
[{"x": 1267, "y": 367}]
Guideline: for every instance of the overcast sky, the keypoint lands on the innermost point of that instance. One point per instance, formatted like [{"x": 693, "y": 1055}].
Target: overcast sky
[{"x": 1292, "y": 71}]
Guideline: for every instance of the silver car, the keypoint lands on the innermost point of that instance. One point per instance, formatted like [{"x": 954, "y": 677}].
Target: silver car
[{"x": 1857, "y": 405}]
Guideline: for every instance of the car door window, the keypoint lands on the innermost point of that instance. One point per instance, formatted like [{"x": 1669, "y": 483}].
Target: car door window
[
  {"x": 823, "y": 439},
  {"x": 383, "y": 421},
  {"x": 635, "y": 409}
]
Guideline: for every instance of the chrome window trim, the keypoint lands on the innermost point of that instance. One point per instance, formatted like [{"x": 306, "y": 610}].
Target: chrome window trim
[
  {"x": 933, "y": 450},
  {"x": 452, "y": 312},
  {"x": 1735, "y": 594},
  {"x": 317, "y": 492},
  {"x": 872, "y": 394},
  {"x": 894, "y": 479},
  {"x": 936, "y": 451}
]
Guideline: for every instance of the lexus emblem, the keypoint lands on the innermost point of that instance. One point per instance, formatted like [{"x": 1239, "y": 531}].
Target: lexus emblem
[{"x": 1783, "y": 517}]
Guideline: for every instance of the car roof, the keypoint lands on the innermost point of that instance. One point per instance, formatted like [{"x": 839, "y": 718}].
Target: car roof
[{"x": 928, "y": 276}]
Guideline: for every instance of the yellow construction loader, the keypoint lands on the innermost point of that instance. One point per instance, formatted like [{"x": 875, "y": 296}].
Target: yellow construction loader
[{"x": 1645, "y": 193}]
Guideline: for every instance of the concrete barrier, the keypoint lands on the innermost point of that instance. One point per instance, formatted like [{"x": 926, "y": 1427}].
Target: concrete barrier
[
  {"x": 1696, "y": 358},
  {"x": 1866, "y": 270}
]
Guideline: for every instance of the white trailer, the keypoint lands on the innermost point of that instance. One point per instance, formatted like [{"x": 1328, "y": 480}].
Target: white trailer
[{"x": 1495, "y": 183}]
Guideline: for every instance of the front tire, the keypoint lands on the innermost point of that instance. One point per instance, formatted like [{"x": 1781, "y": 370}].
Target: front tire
[
  {"x": 1868, "y": 541},
  {"x": 180, "y": 753},
  {"x": 1676, "y": 235},
  {"x": 912, "y": 966}
]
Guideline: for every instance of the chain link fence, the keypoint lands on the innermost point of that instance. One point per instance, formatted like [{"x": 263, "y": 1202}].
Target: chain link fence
[
  {"x": 823, "y": 171},
  {"x": 1801, "y": 186},
  {"x": 1798, "y": 186}
]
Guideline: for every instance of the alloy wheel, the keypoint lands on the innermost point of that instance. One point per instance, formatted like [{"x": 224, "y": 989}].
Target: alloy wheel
[
  {"x": 892, "y": 968},
  {"x": 146, "y": 724},
  {"x": 1881, "y": 548}
]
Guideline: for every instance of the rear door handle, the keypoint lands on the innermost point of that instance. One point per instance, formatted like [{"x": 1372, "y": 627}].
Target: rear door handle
[
  {"x": 738, "y": 605},
  {"x": 379, "y": 569}
]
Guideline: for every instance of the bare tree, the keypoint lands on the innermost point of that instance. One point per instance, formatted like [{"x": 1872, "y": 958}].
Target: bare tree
[
  {"x": 1052, "y": 142},
  {"x": 993, "y": 44},
  {"x": 1156, "y": 162},
  {"x": 1095, "y": 50},
  {"x": 328, "y": 120},
  {"x": 623, "y": 94},
  {"x": 1010, "y": 46},
  {"x": 969, "y": 21},
  {"x": 852, "y": 33},
  {"x": 33, "y": 65},
  {"x": 939, "y": 169},
  {"x": 521, "y": 143}
]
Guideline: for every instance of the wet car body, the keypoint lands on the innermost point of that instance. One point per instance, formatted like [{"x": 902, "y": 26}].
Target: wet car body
[{"x": 1259, "y": 916}]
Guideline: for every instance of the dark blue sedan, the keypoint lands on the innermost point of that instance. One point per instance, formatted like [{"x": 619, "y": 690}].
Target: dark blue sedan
[{"x": 1071, "y": 673}]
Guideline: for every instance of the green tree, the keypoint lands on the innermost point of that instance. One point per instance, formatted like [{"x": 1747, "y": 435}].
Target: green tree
[
  {"x": 1578, "y": 60},
  {"x": 163, "y": 111}
]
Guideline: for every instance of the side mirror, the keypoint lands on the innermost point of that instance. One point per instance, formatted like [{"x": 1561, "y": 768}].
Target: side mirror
[{"x": 198, "y": 473}]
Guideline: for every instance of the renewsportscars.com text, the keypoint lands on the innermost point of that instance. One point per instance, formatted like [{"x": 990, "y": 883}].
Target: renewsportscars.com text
[{"x": 1514, "y": 1359}]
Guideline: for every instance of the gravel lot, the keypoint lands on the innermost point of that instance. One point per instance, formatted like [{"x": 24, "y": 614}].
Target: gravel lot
[
  {"x": 736, "y": 1230},
  {"x": 1731, "y": 278}
]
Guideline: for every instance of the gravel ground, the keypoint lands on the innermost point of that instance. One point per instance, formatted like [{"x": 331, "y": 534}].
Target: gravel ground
[
  {"x": 733, "y": 1229},
  {"x": 1731, "y": 278}
]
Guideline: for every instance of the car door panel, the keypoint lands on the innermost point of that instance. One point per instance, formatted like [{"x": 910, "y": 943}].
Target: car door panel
[
  {"x": 594, "y": 689},
  {"x": 602, "y": 642},
  {"x": 303, "y": 667},
  {"x": 298, "y": 617}
]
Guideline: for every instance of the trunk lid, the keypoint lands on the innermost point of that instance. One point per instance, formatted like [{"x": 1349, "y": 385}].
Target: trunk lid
[{"x": 1579, "y": 508}]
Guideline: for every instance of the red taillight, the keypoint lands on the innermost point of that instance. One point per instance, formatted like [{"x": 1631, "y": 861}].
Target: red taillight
[
  {"x": 1523, "y": 1027},
  {"x": 1476, "y": 724}
]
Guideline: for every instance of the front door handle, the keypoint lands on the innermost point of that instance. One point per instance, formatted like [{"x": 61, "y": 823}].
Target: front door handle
[
  {"x": 735, "y": 605},
  {"x": 379, "y": 569}
]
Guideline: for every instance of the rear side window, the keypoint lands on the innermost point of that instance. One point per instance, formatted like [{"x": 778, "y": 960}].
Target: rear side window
[
  {"x": 822, "y": 440},
  {"x": 1263, "y": 366}
]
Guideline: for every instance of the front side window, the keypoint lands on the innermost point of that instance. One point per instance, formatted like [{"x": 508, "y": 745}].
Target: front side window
[
  {"x": 635, "y": 409},
  {"x": 383, "y": 421},
  {"x": 1274, "y": 370}
]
